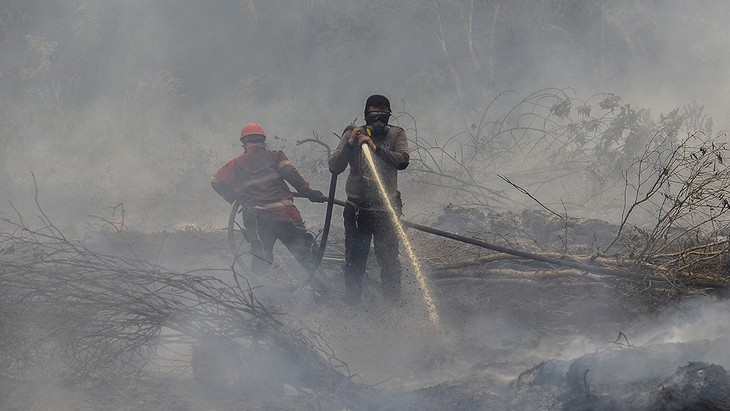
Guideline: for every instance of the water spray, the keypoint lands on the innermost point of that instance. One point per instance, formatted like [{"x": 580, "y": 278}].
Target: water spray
[{"x": 422, "y": 281}]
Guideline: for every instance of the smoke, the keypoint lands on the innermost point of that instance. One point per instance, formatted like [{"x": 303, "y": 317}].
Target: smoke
[
  {"x": 117, "y": 89},
  {"x": 696, "y": 321},
  {"x": 117, "y": 113}
]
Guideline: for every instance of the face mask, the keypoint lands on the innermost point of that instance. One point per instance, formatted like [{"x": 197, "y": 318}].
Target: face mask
[{"x": 378, "y": 120}]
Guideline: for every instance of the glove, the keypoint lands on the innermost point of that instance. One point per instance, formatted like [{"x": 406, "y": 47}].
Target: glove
[
  {"x": 365, "y": 139},
  {"x": 354, "y": 134},
  {"x": 316, "y": 196}
]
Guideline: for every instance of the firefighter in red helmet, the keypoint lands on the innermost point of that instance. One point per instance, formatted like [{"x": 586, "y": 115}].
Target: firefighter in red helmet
[{"x": 258, "y": 179}]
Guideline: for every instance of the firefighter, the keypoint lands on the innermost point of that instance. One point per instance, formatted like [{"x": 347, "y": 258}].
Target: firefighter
[
  {"x": 366, "y": 217},
  {"x": 258, "y": 178}
]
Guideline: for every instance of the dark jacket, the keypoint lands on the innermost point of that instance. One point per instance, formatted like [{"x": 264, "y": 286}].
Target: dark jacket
[
  {"x": 392, "y": 154},
  {"x": 258, "y": 179}
]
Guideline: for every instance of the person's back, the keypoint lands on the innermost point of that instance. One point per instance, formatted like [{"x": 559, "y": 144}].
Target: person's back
[{"x": 258, "y": 179}]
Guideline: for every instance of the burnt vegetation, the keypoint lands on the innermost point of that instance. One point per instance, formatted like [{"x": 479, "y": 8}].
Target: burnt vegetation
[
  {"x": 116, "y": 287},
  {"x": 83, "y": 316}
]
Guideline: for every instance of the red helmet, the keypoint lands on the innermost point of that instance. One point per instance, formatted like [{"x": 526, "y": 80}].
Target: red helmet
[{"x": 252, "y": 129}]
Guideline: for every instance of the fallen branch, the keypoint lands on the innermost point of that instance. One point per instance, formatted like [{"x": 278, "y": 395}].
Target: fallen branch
[
  {"x": 591, "y": 268},
  {"x": 103, "y": 317}
]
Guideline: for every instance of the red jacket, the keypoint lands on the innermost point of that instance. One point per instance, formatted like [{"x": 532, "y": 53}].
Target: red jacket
[{"x": 258, "y": 179}]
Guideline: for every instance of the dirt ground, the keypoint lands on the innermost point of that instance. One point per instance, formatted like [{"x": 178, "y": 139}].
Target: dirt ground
[{"x": 509, "y": 335}]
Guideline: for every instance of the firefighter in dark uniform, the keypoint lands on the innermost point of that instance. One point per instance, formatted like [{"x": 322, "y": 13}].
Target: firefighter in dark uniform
[{"x": 366, "y": 217}]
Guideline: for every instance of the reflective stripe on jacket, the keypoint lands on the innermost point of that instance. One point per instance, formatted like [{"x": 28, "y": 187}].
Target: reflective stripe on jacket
[{"x": 258, "y": 178}]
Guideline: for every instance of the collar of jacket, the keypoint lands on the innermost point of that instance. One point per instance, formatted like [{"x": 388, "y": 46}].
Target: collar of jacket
[{"x": 254, "y": 147}]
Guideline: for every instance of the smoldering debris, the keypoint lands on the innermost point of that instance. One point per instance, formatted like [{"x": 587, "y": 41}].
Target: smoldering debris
[
  {"x": 646, "y": 378},
  {"x": 84, "y": 318},
  {"x": 170, "y": 339}
]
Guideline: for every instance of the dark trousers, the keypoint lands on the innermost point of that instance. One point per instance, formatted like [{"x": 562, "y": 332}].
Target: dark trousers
[
  {"x": 262, "y": 233},
  {"x": 362, "y": 226}
]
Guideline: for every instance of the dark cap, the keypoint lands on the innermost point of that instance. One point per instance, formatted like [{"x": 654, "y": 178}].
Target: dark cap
[{"x": 376, "y": 100}]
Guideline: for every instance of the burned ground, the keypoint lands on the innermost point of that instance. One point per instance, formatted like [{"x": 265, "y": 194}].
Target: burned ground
[{"x": 514, "y": 333}]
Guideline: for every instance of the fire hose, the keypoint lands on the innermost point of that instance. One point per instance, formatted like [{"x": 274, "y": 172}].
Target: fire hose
[
  {"x": 326, "y": 230},
  {"x": 331, "y": 201},
  {"x": 441, "y": 233}
]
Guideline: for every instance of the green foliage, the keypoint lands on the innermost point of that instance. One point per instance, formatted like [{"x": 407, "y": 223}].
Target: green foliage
[
  {"x": 86, "y": 26},
  {"x": 12, "y": 16},
  {"x": 115, "y": 85},
  {"x": 44, "y": 54},
  {"x": 151, "y": 101},
  {"x": 551, "y": 135}
]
